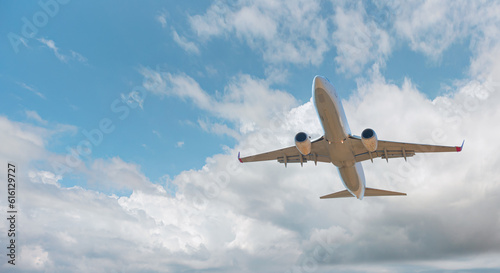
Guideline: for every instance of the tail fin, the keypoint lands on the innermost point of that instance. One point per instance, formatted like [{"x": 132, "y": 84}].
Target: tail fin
[{"x": 368, "y": 192}]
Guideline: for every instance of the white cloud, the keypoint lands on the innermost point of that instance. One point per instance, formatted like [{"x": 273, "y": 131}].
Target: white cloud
[
  {"x": 34, "y": 257},
  {"x": 77, "y": 56},
  {"x": 188, "y": 46},
  {"x": 276, "y": 75},
  {"x": 432, "y": 27},
  {"x": 45, "y": 177},
  {"x": 133, "y": 99},
  {"x": 25, "y": 86},
  {"x": 52, "y": 45},
  {"x": 157, "y": 133},
  {"x": 358, "y": 41},
  {"x": 34, "y": 115},
  {"x": 211, "y": 71},
  {"x": 62, "y": 57},
  {"x": 162, "y": 19},
  {"x": 264, "y": 217},
  {"x": 116, "y": 174},
  {"x": 217, "y": 128},
  {"x": 22, "y": 142},
  {"x": 265, "y": 194},
  {"x": 180, "y": 144},
  {"x": 243, "y": 95},
  {"x": 284, "y": 31},
  {"x": 300, "y": 32},
  {"x": 31, "y": 88}
]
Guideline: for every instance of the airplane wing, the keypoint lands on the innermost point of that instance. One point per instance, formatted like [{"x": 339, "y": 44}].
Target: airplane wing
[
  {"x": 391, "y": 149},
  {"x": 319, "y": 153}
]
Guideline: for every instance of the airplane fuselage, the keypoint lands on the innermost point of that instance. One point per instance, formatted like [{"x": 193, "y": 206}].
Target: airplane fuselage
[{"x": 337, "y": 132}]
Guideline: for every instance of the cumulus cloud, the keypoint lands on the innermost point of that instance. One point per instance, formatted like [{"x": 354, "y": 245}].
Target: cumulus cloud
[
  {"x": 22, "y": 142},
  {"x": 243, "y": 95},
  {"x": 285, "y": 31},
  {"x": 117, "y": 174},
  {"x": 357, "y": 40},
  {"x": 208, "y": 220},
  {"x": 217, "y": 128},
  {"x": 25, "y": 143},
  {"x": 34, "y": 258},
  {"x": 263, "y": 216},
  {"x": 301, "y": 32},
  {"x": 45, "y": 177},
  {"x": 432, "y": 27}
]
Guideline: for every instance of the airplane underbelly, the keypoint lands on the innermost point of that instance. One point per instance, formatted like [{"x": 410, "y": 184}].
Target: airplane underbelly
[
  {"x": 329, "y": 116},
  {"x": 353, "y": 178}
]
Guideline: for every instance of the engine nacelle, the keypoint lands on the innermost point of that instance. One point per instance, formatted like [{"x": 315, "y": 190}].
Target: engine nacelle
[
  {"x": 369, "y": 139},
  {"x": 303, "y": 143}
]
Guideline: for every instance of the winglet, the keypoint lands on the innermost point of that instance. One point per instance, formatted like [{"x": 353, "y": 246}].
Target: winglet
[
  {"x": 459, "y": 149},
  {"x": 239, "y": 157}
]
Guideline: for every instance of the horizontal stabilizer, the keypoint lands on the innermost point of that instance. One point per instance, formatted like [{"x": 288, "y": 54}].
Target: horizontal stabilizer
[
  {"x": 339, "y": 194},
  {"x": 368, "y": 192},
  {"x": 375, "y": 192}
]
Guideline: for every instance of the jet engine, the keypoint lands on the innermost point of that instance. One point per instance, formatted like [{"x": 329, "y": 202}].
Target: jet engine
[
  {"x": 303, "y": 143},
  {"x": 369, "y": 139}
]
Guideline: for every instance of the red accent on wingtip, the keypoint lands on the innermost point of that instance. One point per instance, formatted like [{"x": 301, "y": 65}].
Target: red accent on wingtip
[
  {"x": 239, "y": 157},
  {"x": 459, "y": 149}
]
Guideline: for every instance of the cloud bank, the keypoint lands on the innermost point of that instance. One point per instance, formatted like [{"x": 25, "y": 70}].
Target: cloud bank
[{"x": 265, "y": 217}]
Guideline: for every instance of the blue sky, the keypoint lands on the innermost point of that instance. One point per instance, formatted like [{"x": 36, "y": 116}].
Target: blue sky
[{"x": 183, "y": 86}]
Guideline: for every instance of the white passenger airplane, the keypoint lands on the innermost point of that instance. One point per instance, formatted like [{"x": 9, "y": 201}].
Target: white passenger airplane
[{"x": 344, "y": 150}]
